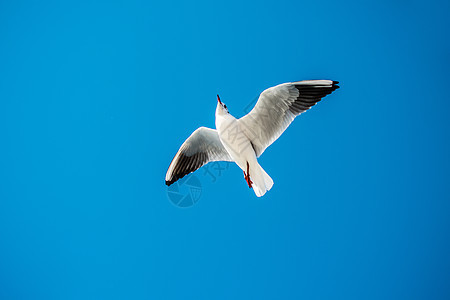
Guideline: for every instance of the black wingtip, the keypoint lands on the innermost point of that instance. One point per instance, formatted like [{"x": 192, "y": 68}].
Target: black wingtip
[
  {"x": 335, "y": 85},
  {"x": 175, "y": 178}
]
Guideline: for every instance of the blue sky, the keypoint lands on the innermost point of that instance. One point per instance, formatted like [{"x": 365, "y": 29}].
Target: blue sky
[{"x": 97, "y": 96}]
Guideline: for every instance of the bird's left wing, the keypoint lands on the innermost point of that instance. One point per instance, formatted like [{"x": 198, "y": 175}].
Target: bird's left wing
[
  {"x": 278, "y": 106},
  {"x": 200, "y": 148}
]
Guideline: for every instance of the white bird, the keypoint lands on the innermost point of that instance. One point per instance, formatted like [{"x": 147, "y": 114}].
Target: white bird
[{"x": 244, "y": 140}]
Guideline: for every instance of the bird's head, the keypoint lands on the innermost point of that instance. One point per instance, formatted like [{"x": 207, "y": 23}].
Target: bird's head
[{"x": 221, "y": 107}]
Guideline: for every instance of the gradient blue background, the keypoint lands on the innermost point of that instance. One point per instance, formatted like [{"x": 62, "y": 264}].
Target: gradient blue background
[{"x": 96, "y": 97}]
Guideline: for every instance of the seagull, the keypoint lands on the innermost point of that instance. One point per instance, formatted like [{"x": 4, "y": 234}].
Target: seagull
[{"x": 244, "y": 140}]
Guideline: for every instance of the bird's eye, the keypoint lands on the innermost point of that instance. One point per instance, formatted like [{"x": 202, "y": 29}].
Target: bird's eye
[{"x": 225, "y": 106}]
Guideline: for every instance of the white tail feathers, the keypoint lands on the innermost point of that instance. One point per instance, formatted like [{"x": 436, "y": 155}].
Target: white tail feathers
[{"x": 261, "y": 180}]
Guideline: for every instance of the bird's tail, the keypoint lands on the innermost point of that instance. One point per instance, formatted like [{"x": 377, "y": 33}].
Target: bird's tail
[{"x": 261, "y": 180}]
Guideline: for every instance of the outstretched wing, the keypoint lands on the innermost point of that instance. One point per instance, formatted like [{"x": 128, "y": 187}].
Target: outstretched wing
[
  {"x": 278, "y": 106},
  {"x": 200, "y": 148}
]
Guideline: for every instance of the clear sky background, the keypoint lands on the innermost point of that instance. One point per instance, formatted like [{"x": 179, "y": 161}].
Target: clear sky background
[{"x": 97, "y": 96}]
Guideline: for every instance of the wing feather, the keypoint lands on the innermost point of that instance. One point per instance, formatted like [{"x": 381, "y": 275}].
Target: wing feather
[
  {"x": 278, "y": 106},
  {"x": 201, "y": 147}
]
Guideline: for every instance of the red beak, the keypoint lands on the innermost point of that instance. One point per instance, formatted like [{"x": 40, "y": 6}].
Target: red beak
[{"x": 218, "y": 99}]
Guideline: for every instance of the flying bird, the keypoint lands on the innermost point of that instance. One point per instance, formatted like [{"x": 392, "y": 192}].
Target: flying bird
[{"x": 244, "y": 140}]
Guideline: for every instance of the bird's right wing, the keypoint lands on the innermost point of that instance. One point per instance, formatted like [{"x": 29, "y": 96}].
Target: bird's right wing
[
  {"x": 278, "y": 106},
  {"x": 200, "y": 148}
]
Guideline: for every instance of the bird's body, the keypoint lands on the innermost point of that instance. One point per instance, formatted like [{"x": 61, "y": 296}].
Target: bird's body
[
  {"x": 243, "y": 140},
  {"x": 233, "y": 136},
  {"x": 233, "y": 139}
]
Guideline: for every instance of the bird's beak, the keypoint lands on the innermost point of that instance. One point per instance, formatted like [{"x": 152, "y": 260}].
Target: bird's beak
[{"x": 218, "y": 99}]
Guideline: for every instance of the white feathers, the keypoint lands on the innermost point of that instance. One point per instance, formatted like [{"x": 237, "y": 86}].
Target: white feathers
[{"x": 243, "y": 140}]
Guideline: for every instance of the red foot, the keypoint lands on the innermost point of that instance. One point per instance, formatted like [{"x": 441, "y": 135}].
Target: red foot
[{"x": 247, "y": 177}]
